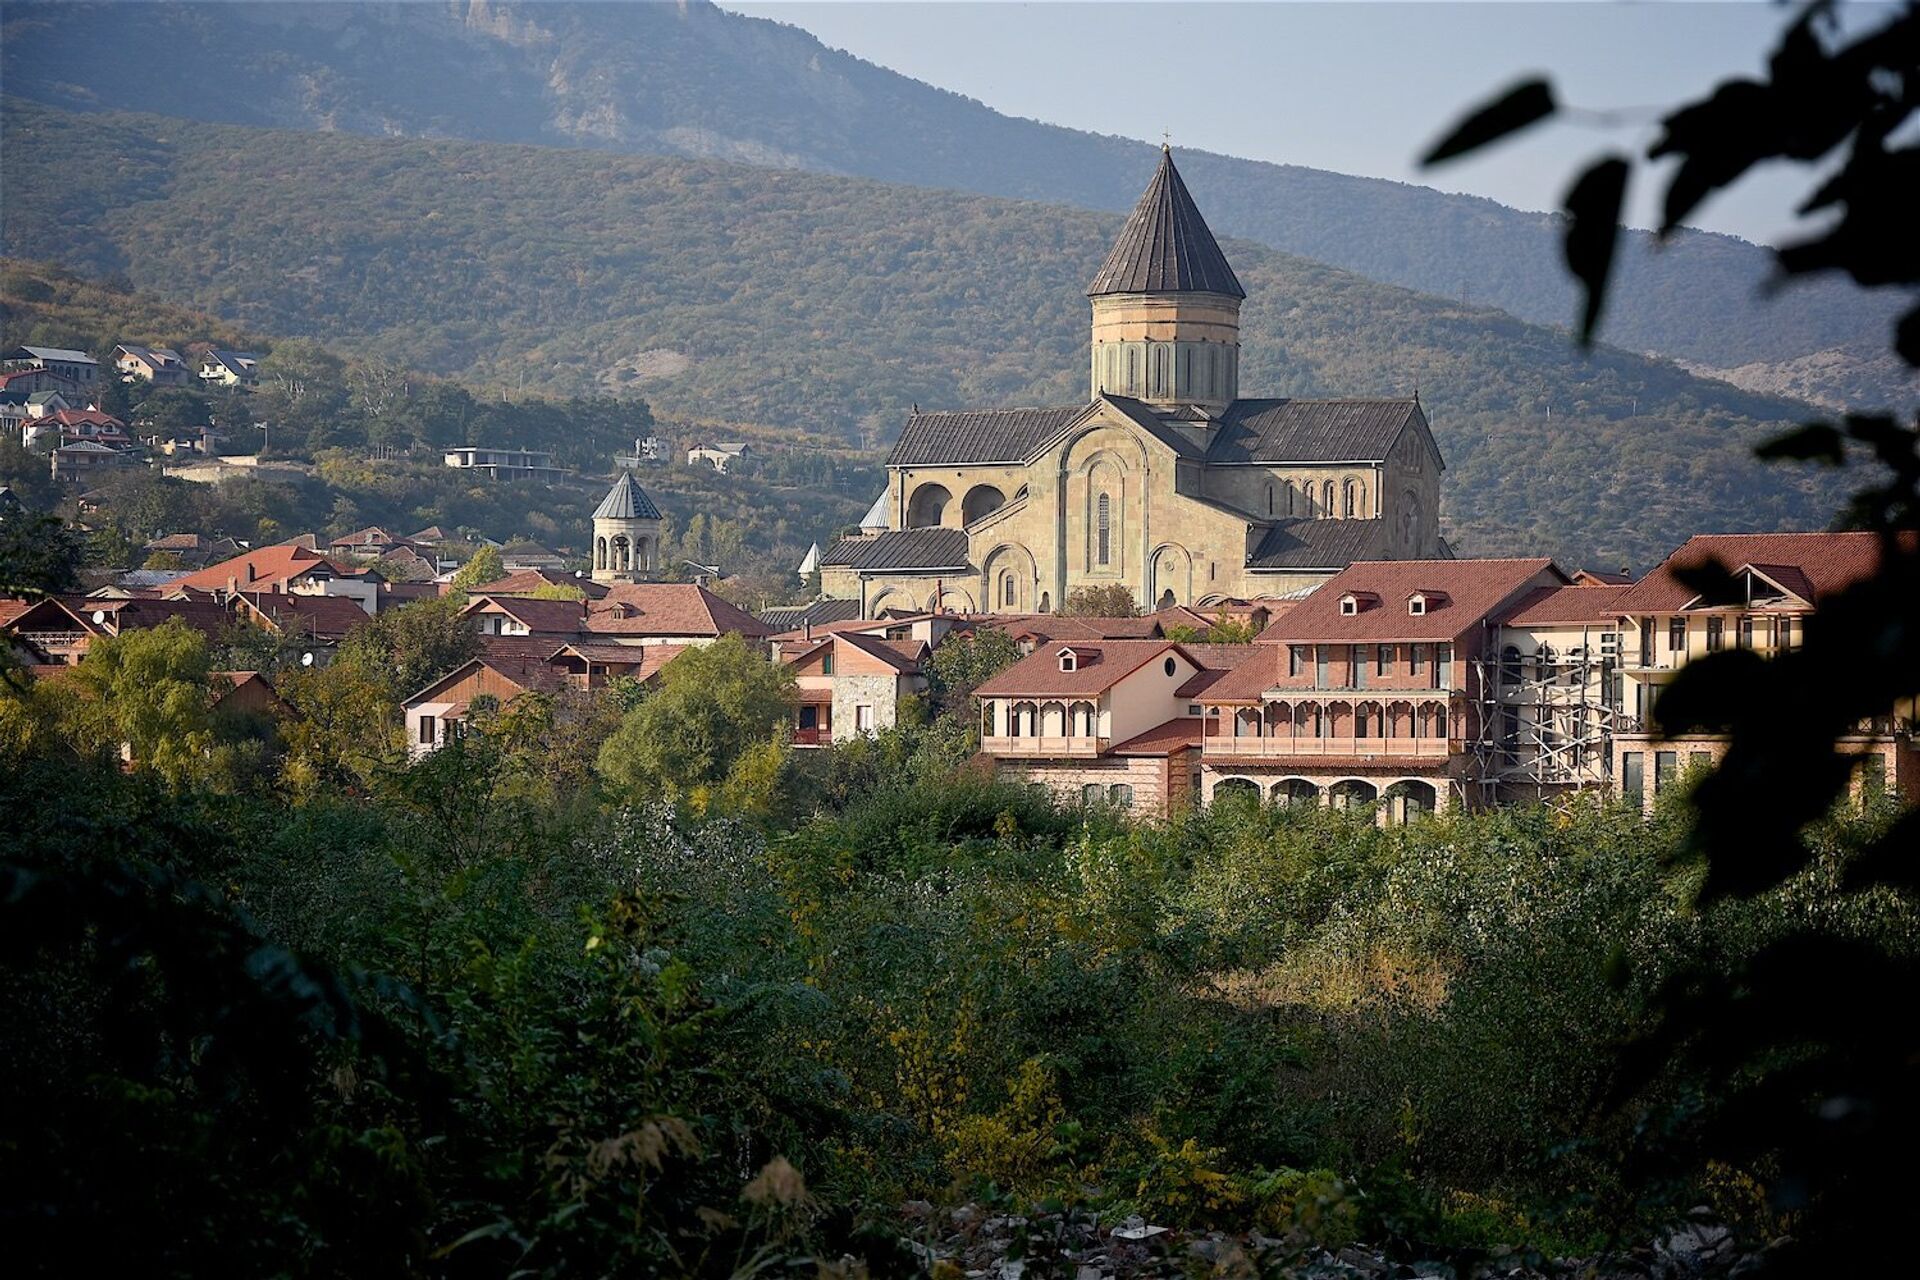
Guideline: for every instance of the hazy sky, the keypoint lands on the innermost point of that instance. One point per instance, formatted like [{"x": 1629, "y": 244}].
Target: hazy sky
[{"x": 1355, "y": 87}]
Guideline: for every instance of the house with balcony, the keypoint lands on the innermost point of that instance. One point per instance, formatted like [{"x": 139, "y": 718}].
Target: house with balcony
[
  {"x": 78, "y": 368},
  {"x": 1779, "y": 582},
  {"x": 1113, "y": 721},
  {"x": 511, "y": 464},
  {"x": 162, "y": 366},
  {"x": 1370, "y": 689},
  {"x": 850, "y": 683}
]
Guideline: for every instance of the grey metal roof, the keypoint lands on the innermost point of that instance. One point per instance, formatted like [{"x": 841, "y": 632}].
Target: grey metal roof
[
  {"x": 626, "y": 501},
  {"x": 1320, "y": 544},
  {"x": 1166, "y": 246},
  {"x": 1311, "y": 430},
  {"x": 904, "y": 549},
  {"x": 990, "y": 435},
  {"x": 788, "y": 617},
  {"x": 59, "y": 353}
]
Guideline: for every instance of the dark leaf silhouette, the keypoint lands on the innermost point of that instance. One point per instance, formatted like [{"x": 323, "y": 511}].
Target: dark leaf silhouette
[
  {"x": 1814, "y": 442},
  {"x": 1593, "y": 229},
  {"x": 1526, "y": 103}
]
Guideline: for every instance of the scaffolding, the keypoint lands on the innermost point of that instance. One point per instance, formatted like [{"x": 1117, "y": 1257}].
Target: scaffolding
[{"x": 1543, "y": 722}]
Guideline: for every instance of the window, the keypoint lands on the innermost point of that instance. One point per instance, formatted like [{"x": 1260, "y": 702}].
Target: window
[
  {"x": 826, "y": 663},
  {"x": 1121, "y": 794},
  {"x": 1289, "y": 510},
  {"x": 1347, "y": 504},
  {"x": 1666, "y": 765},
  {"x": 1676, "y": 635},
  {"x": 1326, "y": 499},
  {"x": 1633, "y": 775},
  {"x": 1716, "y": 634},
  {"x": 1006, "y": 589},
  {"x": 1349, "y": 605},
  {"x": 1320, "y": 667},
  {"x": 426, "y": 730},
  {"x": 1296, "y": 659},
  {"x": 1357, "y": 666},
  {"x": 863, "y": 718},
  {"x": 1069, "y": 660},
  {"x": 1442, "y": 665},
  {"x": 1416, "y": 605},
  {"x": 1383, "y": 660},
  {"x": 1784, "y": 628},
  {"x": 1417, "y": 658},
  {"x": 1699, "y": 760},
  {"x": 1090, "y": 793},
  {"x": 1104, "y": 516},
  {"x": 1746, "y": 633},
  {"x": 1193, "y": 708},
  {"x": 1170, "y": 667},
  {"x": 1269, "y": 499}
]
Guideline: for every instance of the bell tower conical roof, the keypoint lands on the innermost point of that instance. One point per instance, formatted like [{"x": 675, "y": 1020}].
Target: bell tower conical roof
[
  {"x": 626, "y": 501},
  {"x": 1166, "y": 246}
]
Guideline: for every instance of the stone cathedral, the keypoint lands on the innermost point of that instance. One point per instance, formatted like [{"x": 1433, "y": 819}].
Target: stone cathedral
[{"x": 1166, "y": 480}]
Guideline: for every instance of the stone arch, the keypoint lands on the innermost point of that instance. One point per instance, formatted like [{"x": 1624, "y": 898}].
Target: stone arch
[
  {"x": 1166, "y": 599},
  {"x": 1295, "y": 791},
  {"x": 643, "y": 552},
  {"x": 619, "y": 553},
  {"x": 1326, "y": 500},
  {"x": 887, "y": 598},
  {"x": 981, "y": 500},
  {"x": 1108, "y": 464},
  {"x": 1171, "y": 570},
  {"x": 1410, "y": 799},
  {"x": 1351, "y": 793},
  {"x": 600, "y": 553},
  {"x": 1009, "y": 559},
  {"x": 1231, "y": 789},
  {"x": 950, "y": 600},
  {"x": 927, "y": 508}
]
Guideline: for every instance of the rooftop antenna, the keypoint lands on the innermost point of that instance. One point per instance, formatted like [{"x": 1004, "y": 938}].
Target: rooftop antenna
[{"x": 1166, "y": 142}]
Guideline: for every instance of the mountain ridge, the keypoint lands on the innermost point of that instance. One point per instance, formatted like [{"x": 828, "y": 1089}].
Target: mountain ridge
[
  {"x": 803, "y": 300},
  {"x": 695, "y": 80}
]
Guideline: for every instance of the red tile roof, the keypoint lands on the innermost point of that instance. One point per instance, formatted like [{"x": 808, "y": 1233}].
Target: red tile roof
[
  {"x": 322, "y": 617},
  {"x": 1544, "y": 606},
  {"x": 904, "y": 656},
  {"x": 669, "y": 609},
  {"x": 265, "y": 568},
  {"x": 1472, "y": 589},
  {"x": 1259, "y": 672},
  {"x": 547, "y": 617},
  {"x": 1177, "y": 734},
  {"x": 1825, "y": 562},
  {"x": 526, "y": 581},
  {"x": 1215, "y": 660},
  {"x": 1102, "y": 664}
]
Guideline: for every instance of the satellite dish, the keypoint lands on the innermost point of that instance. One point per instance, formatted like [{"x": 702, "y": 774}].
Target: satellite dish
[
  {"x": 99, "y": 615},
  {"x": 306, "y": 659}
]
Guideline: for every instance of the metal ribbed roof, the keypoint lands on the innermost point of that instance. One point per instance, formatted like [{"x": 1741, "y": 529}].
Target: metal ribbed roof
[
  {"x": 1166, "y": 246},
  {"x": 1311, "y": 430},
  {"x": 1320, "y": 544},
  {"x": 626, "y": 501},
  {"x": 991, "y": 435},
  {"x": 918, "y": 549}
]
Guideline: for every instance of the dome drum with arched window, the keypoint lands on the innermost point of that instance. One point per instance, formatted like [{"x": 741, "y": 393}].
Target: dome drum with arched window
[{"x": 626, "y": 533}]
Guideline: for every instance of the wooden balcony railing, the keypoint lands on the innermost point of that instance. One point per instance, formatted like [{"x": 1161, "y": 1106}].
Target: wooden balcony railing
[
  {"x": 1076, "y": 747},
  {"x": 1287, "y": 747}
]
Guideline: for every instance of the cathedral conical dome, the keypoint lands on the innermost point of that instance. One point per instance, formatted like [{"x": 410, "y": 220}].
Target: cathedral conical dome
[
  {"x": 626, "y": 501},
  {"x": 1166, "y": 246}
]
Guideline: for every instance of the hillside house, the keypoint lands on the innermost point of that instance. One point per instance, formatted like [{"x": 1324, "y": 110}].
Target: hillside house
[
  {"x": 80, "y": 370},
  {"x": 440, "y": 711},
  {"x": 230, "y": 368},
  {"x": 720, "y": 455},
  {"x": 850, "y": 684},
  {"x": 162, "y": 366},
  {"x": 82, "y": 460},
  {"x": 511, "y": 464}
]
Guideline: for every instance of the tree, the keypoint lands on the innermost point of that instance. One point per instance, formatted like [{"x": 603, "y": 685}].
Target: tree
[
  {"x": 1800, "y": 1069},
  {"x": 1110, "y": 601},
  {"x": 414, "y": 644},
  {"x": 485, "y": 566},
  {"x": 344, "y": 729},
  {"x": 962, "y": 663},
  {"x": 39, "y": 555},
  {"x": 714, "y": 704}
]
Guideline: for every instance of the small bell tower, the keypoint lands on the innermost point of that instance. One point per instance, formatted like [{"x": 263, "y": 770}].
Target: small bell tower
[{"x": 626, "y": 533}]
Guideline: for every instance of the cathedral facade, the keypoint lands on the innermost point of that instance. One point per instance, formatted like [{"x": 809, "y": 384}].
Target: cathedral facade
[{"x": 1166, "y": 481}]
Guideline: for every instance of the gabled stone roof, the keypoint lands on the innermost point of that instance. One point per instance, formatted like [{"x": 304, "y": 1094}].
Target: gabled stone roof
[
  {"x": 904, "y": 549},
  {"x": 1166, "y": 246},
  {"x": 626, "y": 501},
  {"x": 988, "y": 435},
  {"x": 1312, "y": 430},
  {"x": 1305, "y": 543}
]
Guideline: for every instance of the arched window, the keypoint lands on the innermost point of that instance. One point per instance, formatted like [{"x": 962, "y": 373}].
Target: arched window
[
  {"x": 1213, "y": 367},
  {"x": 1006, "y": 589},
  {"x": 1347, "y": 501},
  {"x": 1133, "y": 378},
  {"x": 1326, "y": 499},
  {"x": 1046, "y": 602},
  {"x": 1269, "y": 499},
  {"x": 1104, "y": 553},
  {"x": 600, "y": 553},
  {"x": 1289, "y": 502}
]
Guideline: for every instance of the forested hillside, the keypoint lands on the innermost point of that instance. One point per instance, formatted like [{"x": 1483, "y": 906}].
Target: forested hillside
[
  {"x": 692, "y": 80},
  {"x": 734, "y": 293}
]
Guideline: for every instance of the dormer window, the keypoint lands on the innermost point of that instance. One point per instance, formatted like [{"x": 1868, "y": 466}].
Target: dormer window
[
  {"x": 1416, "y": 605},
  {"x": 1356, "y": 601},
  {"x": 1069, "y": 661},
  {"x": 1422, "y": 602}
]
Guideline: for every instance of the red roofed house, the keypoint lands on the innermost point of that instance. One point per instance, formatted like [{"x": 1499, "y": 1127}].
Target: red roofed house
[
  {"x": 437, "y": 712},
  {"x": 325, "y": 620},
  {"x": 1780, "y": 581},
  {"x": 1107, "y": 720},
  {"x": 526, "y": 616},
  {"x": 285, "y": 566},
  {"x": 1369, "y": 688},
  {"x": 668, "y": 613},
  {"x": 850, "y": 684}
]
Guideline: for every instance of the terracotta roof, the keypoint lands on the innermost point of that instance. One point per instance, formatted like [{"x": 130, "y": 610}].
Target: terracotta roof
[
  {"x": 669, "y": 609},
  {"x": 11, "y": 608},
  {"x": 525, "y": 581},
  {"x": 1472, "y": 589},
  {"x": 920, "y": 550},
  {"x": 1102, "y": 664},
  {"x": 1826, "y": 563},
  {"x": 1177, "y": 734},
  {"x": 1058, "y": 626},
  {"x": 647, "y": 659},
  {"x": 1215, "y": 660},
  {"x": 1600, "y": 578},
  {"x": 986, "y": 435},
  {"x": 1246, "y": 682},
  {"x": 1319, "y": 544},
  {"x": 1166, "y": 246},
  {"x": 323, "y": 617},
  {"x": 1312, "y": 430},
  {"x": 260, "y": 569},
  {"x": 527, "y": 672},
  {"x": 548, "y": 617},
  {"x": 1546, "y": 605},
  {"x": 517, "y": 648},
  {"x": 904, "y": 656}
]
